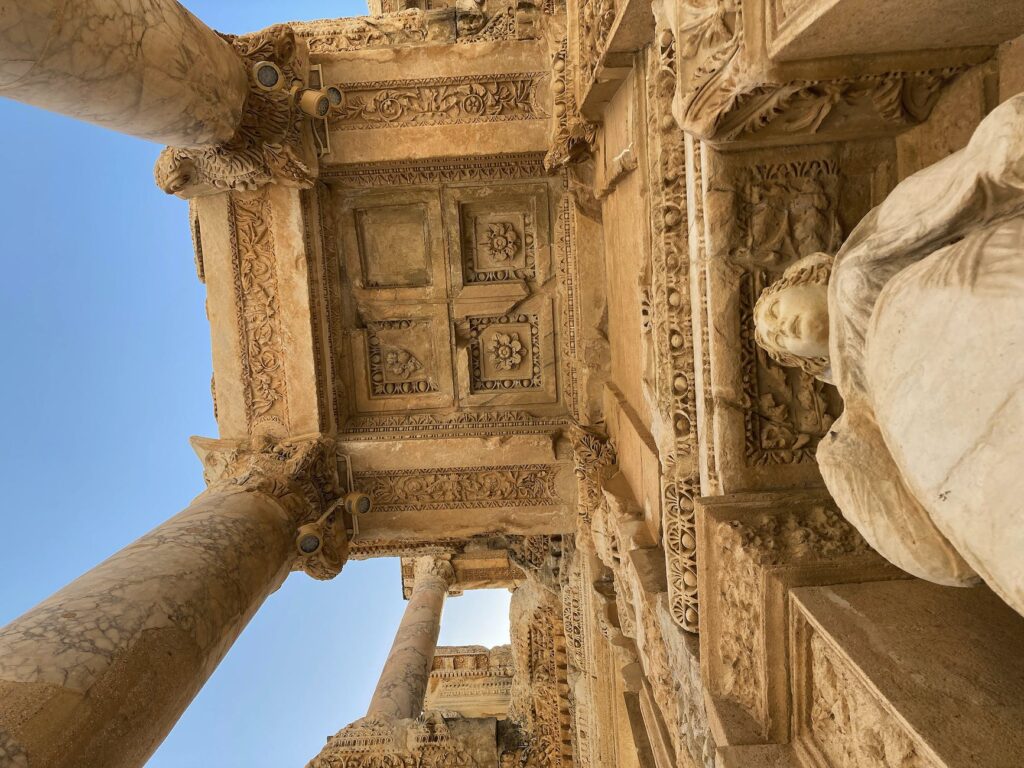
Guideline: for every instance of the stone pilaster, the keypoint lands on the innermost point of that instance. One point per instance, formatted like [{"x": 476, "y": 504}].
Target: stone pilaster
[
  {"x": 98, "y": 674},
  {"x": 148, "y": 68}
]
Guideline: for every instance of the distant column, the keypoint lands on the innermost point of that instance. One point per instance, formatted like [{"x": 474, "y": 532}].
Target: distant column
[
  {"x": 148, "y": 68},
  {"x": 403, "y": 682}
]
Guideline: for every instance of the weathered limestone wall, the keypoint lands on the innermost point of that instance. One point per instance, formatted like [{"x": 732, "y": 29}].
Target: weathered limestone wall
[{"x": 880, "y": 670}]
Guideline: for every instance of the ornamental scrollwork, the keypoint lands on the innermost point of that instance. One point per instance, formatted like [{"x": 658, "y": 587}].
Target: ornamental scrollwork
[
  {"x": 461, "y": 487},
  {"x": 254, "y": 267},
  {"x": 594, "y": 457},
  {"x": 301, "y": 473},
  {"x": 268, "y": 145},
  {"x": 670, "y": 321},
  {"x": 438, "y": 101}
]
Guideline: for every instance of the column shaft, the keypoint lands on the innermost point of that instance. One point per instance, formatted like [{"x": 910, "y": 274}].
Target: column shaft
[
  {"x": 96, "y": 676},
  {"x": 148, "y": 68},
  {"x": 403, "y": 681}
]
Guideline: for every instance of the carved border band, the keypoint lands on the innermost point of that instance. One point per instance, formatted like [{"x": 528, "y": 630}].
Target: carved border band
[
  {"x": 525, "y": 485},
  {"x": 439, "y": 101},
  {"x": 671, "y": 336},
  {"x": 391, "y": 174},
  {"x": 258, "y": 313}
]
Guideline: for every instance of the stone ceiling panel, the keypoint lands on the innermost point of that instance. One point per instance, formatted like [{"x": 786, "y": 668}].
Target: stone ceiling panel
[{"x": 451, "y": 298}]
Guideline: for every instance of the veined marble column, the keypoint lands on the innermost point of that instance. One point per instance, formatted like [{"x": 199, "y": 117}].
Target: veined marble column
[
  {"x": 148, "y": 68},
  {"x": 96, "y": 675},
  {"x": 403, "y": 681}
]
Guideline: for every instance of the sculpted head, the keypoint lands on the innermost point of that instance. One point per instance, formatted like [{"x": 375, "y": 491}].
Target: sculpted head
[{"x": 791, "y": 315}]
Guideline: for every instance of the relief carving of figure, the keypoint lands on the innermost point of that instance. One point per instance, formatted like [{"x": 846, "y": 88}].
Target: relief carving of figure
[{"x": 919, "y": 322}]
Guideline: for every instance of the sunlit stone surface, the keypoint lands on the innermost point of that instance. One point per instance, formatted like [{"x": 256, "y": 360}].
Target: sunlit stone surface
[{"x": 483, "y": 282}]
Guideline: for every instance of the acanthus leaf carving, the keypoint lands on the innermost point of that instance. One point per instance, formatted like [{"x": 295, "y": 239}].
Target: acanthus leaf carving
[
  {"x": 258, "y": 314},
  {"x": 594, "y": 458},
  {"x": 744, "y": 549},
  {"x": 720, "y": 100},
  {"x": 301, "y": 473},
  {"x": 847, "y": 722},
  {"x": 269, "y": 144},
  {"x": 461, "y": 487},
  {"x": 540, "y": 688},
  {"x": 595, "y": 20},
  {"x": 439, "y": 101}
]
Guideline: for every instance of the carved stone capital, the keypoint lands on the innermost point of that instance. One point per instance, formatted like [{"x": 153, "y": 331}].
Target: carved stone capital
[
  {"x": 433, "y": 568},
  {"x": 301, "y": 473},
  {"x": 593, "y": 456},
  {"x": 269, "y": 145}
]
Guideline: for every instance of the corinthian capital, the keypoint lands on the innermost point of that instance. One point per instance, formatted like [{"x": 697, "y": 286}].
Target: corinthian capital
[
  {"x": 302, "y": 474},
  {"x": 271, "y": 143},
  {"x": 431, "y": 567}
]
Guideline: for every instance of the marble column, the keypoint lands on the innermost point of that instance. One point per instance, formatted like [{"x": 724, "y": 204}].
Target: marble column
[
  {"x": 96, "y": 675},
  {"x": 403, "y": 682},
  {"x": 148, "y": 68}
]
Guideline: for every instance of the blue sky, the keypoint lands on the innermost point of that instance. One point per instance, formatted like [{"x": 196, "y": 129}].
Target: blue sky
[{"x": 107, "y": 376}]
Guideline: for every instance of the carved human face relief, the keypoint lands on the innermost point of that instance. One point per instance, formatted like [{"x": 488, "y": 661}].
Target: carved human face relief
[{"x": 795, "y": 320}]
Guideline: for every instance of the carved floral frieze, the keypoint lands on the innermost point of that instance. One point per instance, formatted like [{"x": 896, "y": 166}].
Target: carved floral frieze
[
  {"x": 439, "y": 101},
  {"x": 427, "y": 742},
  {"x": 671, "y": 324},
  {"x": 258, "y": 313},
  {"x": 452, "y": 170},
  {"x": 525, "y": 485},
  {"x": 363, "y": 32}
]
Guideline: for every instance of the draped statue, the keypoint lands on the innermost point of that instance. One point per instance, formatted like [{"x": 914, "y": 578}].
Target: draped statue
[{"x": 919, "y": 322}]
